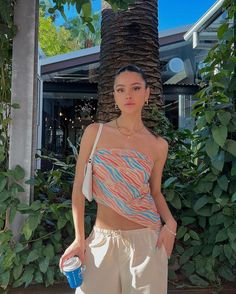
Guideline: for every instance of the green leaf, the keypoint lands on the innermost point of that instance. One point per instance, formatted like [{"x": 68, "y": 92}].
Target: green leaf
[
  {"x": 221, "y": 30},
  {"x": 186, "y": 255},
  {"x": 19, "y": 173},
  {"x": 2, "y": 154},
  {"x": 188, "y": 268},
  {"x": 43, "y": 265},
  {"x": 233, "y": 245},
  {"x": 38, "y": 245},
  {"x": 233, "y": 170},
  {"x": 19, "y": 247},
  {"x": 224, "y": 117},
  {"x": 9, "y": 257},
  {"x": 50, "y": 276},
  {"x": 205, "y": 211},
  {"x": 51, "y": 10},
  {"x": 12, "y": 214},
  {"x": 221, "y": 235},
  {"x": 6, "y": 236},
  {"x": 196, "y": 280},
  {"x": 23, "y": 207},
  {"x": 176, "y": 202},
  {"x": 233, "y": 198},
  {"x": 5, "y": 278},
  {"x": 223, "y": 182},
  {"x": 181, "y": 232},
  {"x": 226, "y": 273},
  {"x": 15, "y": 105},
  {"x": 216, "y": 251},
  {"x": 203, "y": 186},
  {"x": 38, "y": 277},
  {"x": 27, "y": 231},
  {"x": 193, "y": 235},
  {"x": 4, "y": 195},
  {"x": 91, "y": 27},
  {"x": 227, "y": 211},
  {"x": 86, "y": 8},
  {"x": 169, "y": 181},
  {"x": 15, "y": 188},
  {"x": 61, "y": 222},
  {"x": 200, "y": 203},
  {"x": 49, "y": 251},
  {"x": 3, "y": 182},
  {"x": 201, "y": 122},
  {"x": 220, "y": 134},
  {"x": 228, "y": 221},
  {"x": 186, "y": 237},
  {"x": 179, "y": 249},
  {"x": 27, "y": 276},
  {"x": 170, "y": 194},
  {"x": 78, "y": 5},
  {"x": 231, "y": 233},
  {"x": 202, "y": 221},
  {"x": 17, "y": 283},
  {"x": 218, "y": 161},
  {"x": 31, "y": 224},
  {"x": 33, "y": 255},
  {"x": 228, "y": 251},
  {"x": 36, "y": 205},
  {"x": 230, "y": 146},
  {"x": 217, "y": 191},
  {"x": 209, "y": 116},
  {"x": 17, "y": 271},
  {"x": 188, "y": 220},
  {"x": 211, "y": 147}
]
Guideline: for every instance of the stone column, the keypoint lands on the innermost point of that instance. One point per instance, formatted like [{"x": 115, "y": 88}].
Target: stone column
[{"x": 24, "y": 91}]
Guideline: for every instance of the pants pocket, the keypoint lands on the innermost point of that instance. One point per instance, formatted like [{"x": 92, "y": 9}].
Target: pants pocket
[{"x": 96, "y": 240}]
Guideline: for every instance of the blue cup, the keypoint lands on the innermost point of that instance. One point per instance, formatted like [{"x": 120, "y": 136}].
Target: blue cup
[{"x": 73, "y": 270}]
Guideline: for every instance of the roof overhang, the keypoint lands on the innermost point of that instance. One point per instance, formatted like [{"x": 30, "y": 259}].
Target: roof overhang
[
  {"x": 198, "y": 30},
  {"x": 69, "y": 60}
]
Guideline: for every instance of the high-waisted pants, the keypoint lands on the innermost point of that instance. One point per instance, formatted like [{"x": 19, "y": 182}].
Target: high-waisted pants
[{"x": 124, "y": 262}]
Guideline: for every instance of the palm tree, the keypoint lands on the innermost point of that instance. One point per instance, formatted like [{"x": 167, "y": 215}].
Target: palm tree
[{"x": 129, "y": 37}]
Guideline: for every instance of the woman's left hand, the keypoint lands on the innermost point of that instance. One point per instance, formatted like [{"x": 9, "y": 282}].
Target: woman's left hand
[{"x": 167, "y": 238}]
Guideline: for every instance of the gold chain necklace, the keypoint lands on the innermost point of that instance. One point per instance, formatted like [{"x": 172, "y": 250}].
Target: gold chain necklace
[{"x": 128, "y": 136}]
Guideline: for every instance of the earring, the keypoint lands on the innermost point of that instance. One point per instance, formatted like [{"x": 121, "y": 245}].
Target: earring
[
  {"x": 146, "y": 102},
  {"x": 116, "y": 106}
]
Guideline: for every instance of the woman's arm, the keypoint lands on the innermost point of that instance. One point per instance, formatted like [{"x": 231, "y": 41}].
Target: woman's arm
[
  {"x": 155, "y": 185},
  {"x": 78, "y": 199}
]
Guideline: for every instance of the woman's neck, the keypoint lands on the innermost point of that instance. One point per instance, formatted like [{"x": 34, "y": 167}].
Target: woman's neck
[{"x": 130, "y": 122}]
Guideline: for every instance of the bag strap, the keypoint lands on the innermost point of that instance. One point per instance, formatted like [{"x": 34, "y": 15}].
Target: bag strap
[{"x": 96, "y": 140}]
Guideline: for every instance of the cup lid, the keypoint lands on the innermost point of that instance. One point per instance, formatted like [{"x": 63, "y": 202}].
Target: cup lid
[{"x": 71, "y": 264}]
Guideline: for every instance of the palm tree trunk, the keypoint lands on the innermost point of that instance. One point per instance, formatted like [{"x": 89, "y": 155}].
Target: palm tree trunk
[{"x": 129, "y": 37}]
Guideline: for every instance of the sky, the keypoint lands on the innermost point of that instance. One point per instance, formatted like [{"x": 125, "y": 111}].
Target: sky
[
  {"x": 172, "y": 13},
  {"x": 176, "y": 13}
]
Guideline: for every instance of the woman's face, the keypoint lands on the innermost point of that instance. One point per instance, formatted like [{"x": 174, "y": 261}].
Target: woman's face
[{"x": 130, "y": 92}]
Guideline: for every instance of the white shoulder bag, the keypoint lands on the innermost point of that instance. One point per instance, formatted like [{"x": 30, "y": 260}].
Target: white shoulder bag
[{"x": 88, "y": 177}]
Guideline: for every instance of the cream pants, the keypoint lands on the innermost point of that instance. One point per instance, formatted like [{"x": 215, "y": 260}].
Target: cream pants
[{"x": 124, "y": 262}]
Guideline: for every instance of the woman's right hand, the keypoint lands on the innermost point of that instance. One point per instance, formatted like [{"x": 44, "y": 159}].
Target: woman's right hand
[{"x": 76, "y": 248}]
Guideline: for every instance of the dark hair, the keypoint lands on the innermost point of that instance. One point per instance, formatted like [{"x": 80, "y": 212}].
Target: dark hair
[{"x": 132, "y": 68}]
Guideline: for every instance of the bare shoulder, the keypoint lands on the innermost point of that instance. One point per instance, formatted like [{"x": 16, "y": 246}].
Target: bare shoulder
[
  {"x": 162, "y": 147},
  {"x": 91, "y": 131},
  {"x": 162, "y": 143},
  {"x": 158, "y": 142},
  {"x": 87, "y": 141},
  {"x": 159, "y": 146}
]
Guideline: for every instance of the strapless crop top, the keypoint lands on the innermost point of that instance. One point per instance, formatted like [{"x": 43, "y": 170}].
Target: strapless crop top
[{"x": 121, "y": 182}]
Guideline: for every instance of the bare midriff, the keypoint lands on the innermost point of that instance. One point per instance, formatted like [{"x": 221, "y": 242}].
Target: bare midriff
[{"x": 107, "y": 218}]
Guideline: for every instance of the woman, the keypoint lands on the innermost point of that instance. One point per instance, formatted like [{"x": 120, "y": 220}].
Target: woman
[{"x": 127, "y": 251}]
